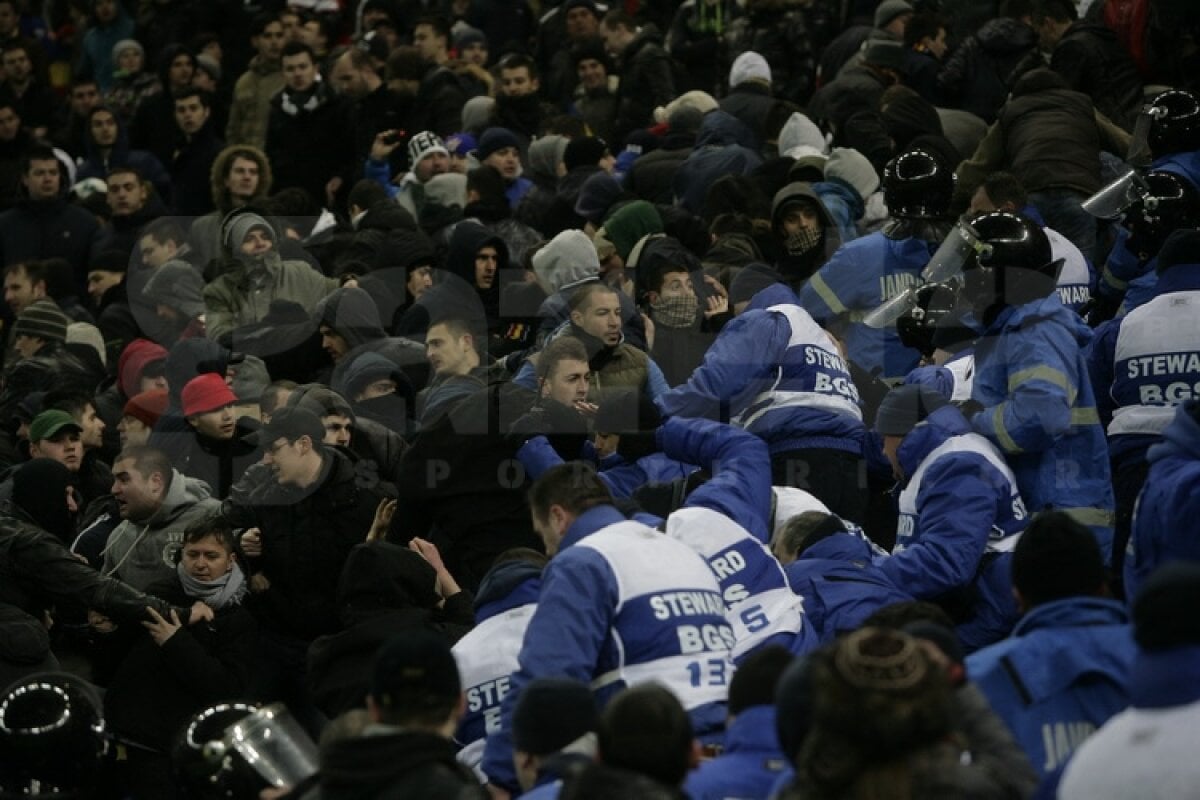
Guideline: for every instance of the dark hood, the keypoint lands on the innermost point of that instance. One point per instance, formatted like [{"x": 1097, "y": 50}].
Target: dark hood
[
  {"x": 380, "y": 577},
  {"x": 376, "y": 766},
  {"x": 165, "y": 58},
  {"x": 190, "y": 358},
  {"x": 720, "y": 129},
  {"x": 387, "y": 216},
  {"x": 662, "y": 253},
  {"x": 466, "y": 241},
  {"x": 40, "y": 490},
  {"x": 320, "y": 400},
  {"x": 351, "y": 312},
  {"x": 120, "y": 148},
  {"x": 1006, "y": 36}
]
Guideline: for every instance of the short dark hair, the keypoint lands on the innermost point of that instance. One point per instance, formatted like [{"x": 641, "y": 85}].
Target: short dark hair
[
  {"x": 1057, "y": 10},
  {"x": 214, "y": 525},
  {"x": 18, "y": 44},
  {"x": 922, "y": 25},
  {"x": 1004, "y": 187},
  {"x": 618, "y": 18},
  {"x": 126, "y": 170},
  {"x": 260, "y": 21},
  {"x": 269, "y": 401},
  {"x": 365, "y": 194},
  {"x": 72, "y": 401},
  {"x": 806, "y": 529},
  {"x": 516, "y": 61},
  {"x": 439, "y": 24},
  {"x": 163, "y": 230},
  {"x": 1056, "y": 557},
  {"x": 645, "y": 729},
  {"x": 582, "y": 297},
  {"x": 38, "y": 152},
  {"x": 564, "y": 348},
  {"x": 523, "y": 554},
  {"x": 84, "y": 80},
  {"x": 756, "y": 678},
  {"x": 294, "y": 48},
  {"x": 574, "y": 485},
  {"x": 34, "y": 270},
  {"x": 148, "y": 460},
  {"x": 192, "y": 91},
  {"x": 457, "y": 326}
]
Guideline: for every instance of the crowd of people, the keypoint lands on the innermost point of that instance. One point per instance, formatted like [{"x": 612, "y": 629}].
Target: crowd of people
[{"x": 764, "y": 399}]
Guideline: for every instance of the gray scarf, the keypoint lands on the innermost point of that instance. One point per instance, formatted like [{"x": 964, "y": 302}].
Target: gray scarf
[{"x": 229, "y": 589}]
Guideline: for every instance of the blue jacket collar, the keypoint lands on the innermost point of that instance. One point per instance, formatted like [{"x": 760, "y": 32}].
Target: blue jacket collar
[
  {"x": 774, "y": 295},
  {"x": 930, "y": 434},
  {"x": 522, "y": 594},
  {"x": 1072, "y": 612},
  {"x": 839, "y": 547},
  {"x": 1179, "y": 278},
  {"x": 589, "y": 522},
  {"x": 753, "y": 730},
  {"x": 1181, "y": 437},
  {"x": 1166, "y": 678}
]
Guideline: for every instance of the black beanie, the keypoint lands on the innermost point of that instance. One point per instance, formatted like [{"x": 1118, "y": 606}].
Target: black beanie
[
  {"x": 1181, "y": 247},
  {"x": 585, "y": 151},
  {"x": 550, "y": 714},
  {"x": 1164, "y": 611},
  {"x": 40, "y": 490},
  {"x": 750, "y": 280}
]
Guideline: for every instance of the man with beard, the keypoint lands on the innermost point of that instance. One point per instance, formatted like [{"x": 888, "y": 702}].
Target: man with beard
[
  {"x": 596, "y": 322},
  {"x": 156, "y": 503}
]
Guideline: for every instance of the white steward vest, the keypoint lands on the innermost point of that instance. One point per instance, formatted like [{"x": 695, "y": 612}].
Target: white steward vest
[
  {"x": 759, "y": 603},
  {"x": 1000, "y": 538},
  {"x": 1156, "y": 365},
  {"x": 669, "y": 624}
]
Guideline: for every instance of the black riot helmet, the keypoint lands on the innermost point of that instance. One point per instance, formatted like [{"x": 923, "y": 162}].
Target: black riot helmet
[
  {"x": 207, "y": 772},
  {"x": 1176, "y": 123},
  {"x": 1171, "y": 203},
  {"x": 935, "y": 302},
  {"x": 918, "y": 185},
  {"x": 1015, "y": 265},
  {"x": 51, "y": 737}
]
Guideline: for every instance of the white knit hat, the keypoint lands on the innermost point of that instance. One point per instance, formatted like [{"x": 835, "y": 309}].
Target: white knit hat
[
  {"x": 697, "y": 99},
  {"x": 424, "y": 144},
  {"x": 749, "y": 66}
]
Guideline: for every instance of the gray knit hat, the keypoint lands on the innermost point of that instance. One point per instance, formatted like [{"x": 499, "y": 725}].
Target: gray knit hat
[
  {"x": 239, "y": 228},
  {"x": 43, "y": 319}
]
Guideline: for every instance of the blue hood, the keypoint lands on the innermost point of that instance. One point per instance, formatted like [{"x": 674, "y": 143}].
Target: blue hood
[
  {"x": 922, "y": 440},
  {"x": 778, "y": 294},
  {"x": 838, "y": 189},
  {"x": 846, "y": 547},
  {"x": 1182, "y": 437},
  {"x": 506, "y": 586},
  {"x": 720, "y": 129},
  {"x": 1050, "y": 307}
]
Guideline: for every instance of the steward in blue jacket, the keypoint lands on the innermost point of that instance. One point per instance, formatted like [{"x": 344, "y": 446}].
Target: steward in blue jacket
[
  {"x": 840, "y": 582},
  {"x": 1142, "y": 366},
  {"x": 775, "y": 373},
  {"x": 960, "y": 514},
  {"x": 621, "y": 605},
  {"x": 751, "y": 760},
  {"x": 1164, "y": 523},
  {"x": 1066, "y": 668},
  {"x": 487, "y": 655},
  {"x": 1031, "y": 381}
]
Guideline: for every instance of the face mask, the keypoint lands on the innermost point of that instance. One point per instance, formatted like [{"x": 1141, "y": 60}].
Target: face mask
[
  {"x": 802, "y": 241},
  {"x": 675, "y": 312}
]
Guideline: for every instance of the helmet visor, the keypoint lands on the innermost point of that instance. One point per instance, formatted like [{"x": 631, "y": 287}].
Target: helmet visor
[
  {"x": 886, "y": 314},
  {"x": 956, "y": 249},
  {"x": 1112, "y": 200}
]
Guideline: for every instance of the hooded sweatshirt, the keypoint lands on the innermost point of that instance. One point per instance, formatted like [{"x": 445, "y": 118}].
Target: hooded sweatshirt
[
  {"x": 724, "y": 146},
  {"x": 141, "y": 553}
]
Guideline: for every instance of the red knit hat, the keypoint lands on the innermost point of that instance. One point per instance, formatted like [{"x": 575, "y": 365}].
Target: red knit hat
[
  {"x": 207, "y": 392},
  {"x": 147, "y": 406}
]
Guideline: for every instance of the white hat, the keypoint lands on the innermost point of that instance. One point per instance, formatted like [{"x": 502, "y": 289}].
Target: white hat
[{"x": 749, "y": 66}]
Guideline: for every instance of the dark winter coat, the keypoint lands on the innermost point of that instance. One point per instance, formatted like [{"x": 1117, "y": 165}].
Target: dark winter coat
[
  {"x": 1092, "y": 61},
  {"x": 647, "y": 82},
  {"x": 307, "y": 147},
  {"x": 978, "y": 76}
]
